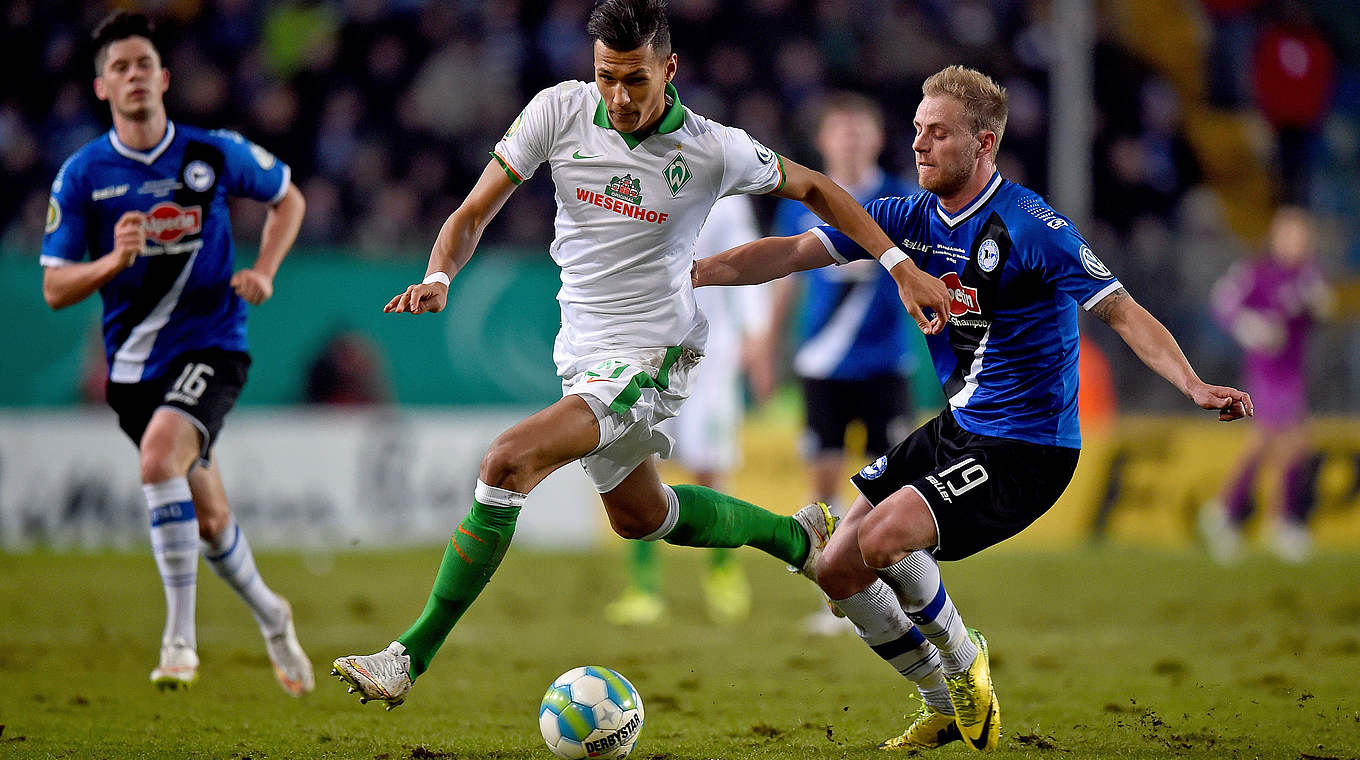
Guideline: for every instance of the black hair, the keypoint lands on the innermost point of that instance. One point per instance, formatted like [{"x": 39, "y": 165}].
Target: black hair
[
  {"x": 119, "y": 26},
  {"x": 625, "y": 25}
]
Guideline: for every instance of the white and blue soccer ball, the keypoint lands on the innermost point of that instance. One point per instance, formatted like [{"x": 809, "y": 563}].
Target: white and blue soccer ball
[{"x": 590, "y": 711}]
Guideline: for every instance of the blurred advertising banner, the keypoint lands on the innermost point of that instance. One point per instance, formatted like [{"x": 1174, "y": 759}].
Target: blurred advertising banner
[{"x": 296, "y": 478}]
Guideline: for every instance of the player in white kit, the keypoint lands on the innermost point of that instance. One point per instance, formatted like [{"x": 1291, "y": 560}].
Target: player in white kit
[{"x": 636, "y": 174}]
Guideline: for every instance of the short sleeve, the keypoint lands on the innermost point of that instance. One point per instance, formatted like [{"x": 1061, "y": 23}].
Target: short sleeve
[
  {"x": 748, "y": 166},
  {"x": 888, "y": 213},
  {"x": 1067, "y": 261},
  {"x": 525, "y": 145},
  {"x": 252, "y": 172},
  {"x": 64, "y": 240}
]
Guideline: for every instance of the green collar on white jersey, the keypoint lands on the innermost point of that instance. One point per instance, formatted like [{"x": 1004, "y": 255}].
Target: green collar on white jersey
[{"x": 672, "y": 120}]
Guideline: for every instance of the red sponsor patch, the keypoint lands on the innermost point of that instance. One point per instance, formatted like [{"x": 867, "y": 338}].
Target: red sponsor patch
[
  {"x": 167, "y": 221},
  {"x": 962, "y": 299}
]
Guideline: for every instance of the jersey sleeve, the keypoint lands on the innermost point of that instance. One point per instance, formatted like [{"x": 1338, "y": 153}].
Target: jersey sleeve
[
  {"x": 748, "y": 166},
  {"x": 251, "y": 171},
  {"x": 888, "y": 213},
  {"x": 526, "y": 144},
  {"x": 1066, "y": 260},
  {"x": 64, "y": 239}
]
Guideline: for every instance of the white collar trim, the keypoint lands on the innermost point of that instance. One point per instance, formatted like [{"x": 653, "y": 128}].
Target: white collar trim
[
  {"x": 986, "y": 195},
  {"x": 150, "y": 156}
]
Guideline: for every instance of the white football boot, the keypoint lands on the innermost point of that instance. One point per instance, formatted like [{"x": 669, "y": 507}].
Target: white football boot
[
  {"x": 384, "y": 676},
  {"x": 291, "y": 665},
  {"x": 178, "y": 668},
  {"x": 819, "y": 522}
]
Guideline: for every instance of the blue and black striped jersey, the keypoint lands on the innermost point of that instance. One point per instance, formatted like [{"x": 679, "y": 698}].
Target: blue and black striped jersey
[
  {"x": 1017, "y": 271},
  {"x": 177, "y": 296}
]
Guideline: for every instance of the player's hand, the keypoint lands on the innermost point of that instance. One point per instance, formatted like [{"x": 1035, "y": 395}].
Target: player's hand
[
  {"x": 129, "y": 237},
  {"x": 421, "y": 297},
  {"x": 1231, "y": 403},
  {"x": 253, "y": 286},
  {"x": 919, "y": 291}
]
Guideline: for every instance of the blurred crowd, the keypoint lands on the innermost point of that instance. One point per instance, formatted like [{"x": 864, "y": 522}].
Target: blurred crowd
[{"x": 386, "y": 109}]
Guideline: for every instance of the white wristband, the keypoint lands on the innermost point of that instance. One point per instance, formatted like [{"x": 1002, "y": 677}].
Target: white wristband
[
  {"x": 435, "y": 277},
  {"x": 891, "y": 258}
]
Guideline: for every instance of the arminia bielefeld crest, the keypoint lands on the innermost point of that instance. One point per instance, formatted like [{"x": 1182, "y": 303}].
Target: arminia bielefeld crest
[
  {"x": 625, "y": 189},
  {"x": 677, "y": 173}
]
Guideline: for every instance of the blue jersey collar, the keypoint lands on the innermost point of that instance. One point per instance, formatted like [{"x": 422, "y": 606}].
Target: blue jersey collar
[
  {"x": 149, "y": 157},
  {"x": 973, "y": 207}
]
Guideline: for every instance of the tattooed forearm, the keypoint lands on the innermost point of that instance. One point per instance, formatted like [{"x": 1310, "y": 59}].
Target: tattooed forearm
[{"x": 1107, "y": 306}]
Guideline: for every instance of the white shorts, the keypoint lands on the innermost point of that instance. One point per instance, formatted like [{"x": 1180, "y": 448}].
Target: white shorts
[{"x": 630, "y": 396}]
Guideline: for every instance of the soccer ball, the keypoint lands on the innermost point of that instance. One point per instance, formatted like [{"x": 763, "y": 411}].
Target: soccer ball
[{"x": 590, "y": 712}]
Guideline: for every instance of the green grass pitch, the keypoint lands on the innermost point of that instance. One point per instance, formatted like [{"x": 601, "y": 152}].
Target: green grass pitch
[{"x": 1113, "y": 653}]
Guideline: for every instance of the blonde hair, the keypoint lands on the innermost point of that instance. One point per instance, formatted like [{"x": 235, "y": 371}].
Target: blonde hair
[{"x": 984, "y": 101}]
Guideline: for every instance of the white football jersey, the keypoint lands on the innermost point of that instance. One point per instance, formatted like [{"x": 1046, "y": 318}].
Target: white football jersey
[{"x": 628, "y": 213}]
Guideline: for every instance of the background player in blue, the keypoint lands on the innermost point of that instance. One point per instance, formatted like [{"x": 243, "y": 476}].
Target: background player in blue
[
  {"x": 148, "y": 203},
  {"x": 1005, "y": 448}
]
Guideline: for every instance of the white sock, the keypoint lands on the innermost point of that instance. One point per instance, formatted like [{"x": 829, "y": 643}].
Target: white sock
[
  {"x": 229, "y": 555},
  {"x": 880, "y": 621},
  {"x": 174, "y": 544},
  {"x": 672, "y": 516},
  {"x": 916, "y": 581}
]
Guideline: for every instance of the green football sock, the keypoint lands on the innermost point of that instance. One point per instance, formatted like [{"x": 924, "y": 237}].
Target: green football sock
[
  {"x": 470, "y": 558},
  {"x": 644, "y": 567},
  {"x": 710, "y": 518}
]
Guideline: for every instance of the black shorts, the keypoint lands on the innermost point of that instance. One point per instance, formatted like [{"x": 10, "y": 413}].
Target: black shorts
[
  {"x": 882, "y": 403},
  {"x": 982, "y": 489},
  {"x": 202, "y": 385}
]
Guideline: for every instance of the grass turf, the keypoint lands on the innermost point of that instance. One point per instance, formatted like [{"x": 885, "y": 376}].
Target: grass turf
[{"x": 1113, "y": 653}]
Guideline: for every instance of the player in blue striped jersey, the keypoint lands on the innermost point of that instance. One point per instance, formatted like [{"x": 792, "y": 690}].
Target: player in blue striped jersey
[
  {"x": 147, "y": 203},
  {"x": 1004, "y": 449}
]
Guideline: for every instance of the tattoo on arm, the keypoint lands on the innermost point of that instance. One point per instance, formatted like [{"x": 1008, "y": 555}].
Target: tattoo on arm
[{"x": 1105, "y": 309}]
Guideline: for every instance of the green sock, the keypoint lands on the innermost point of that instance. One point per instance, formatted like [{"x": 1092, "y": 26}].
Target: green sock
[
  {"x": 470, "y": 558},
  {"x": 644, "y": 567},
  {"x": 710, "y": 518}
]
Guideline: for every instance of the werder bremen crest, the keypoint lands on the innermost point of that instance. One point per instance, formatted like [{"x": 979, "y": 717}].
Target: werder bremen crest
[
  {"x": 677, "y": 173},
  {"x": 625, "y": 189}
]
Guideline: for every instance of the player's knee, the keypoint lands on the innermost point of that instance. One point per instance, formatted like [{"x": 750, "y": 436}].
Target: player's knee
[
  {"x": 630, "y": 525},
  {"x": 879, "y": 545},
  {"x": 505, "y": 465},
  {"x": 158, "y": 464},
  {"x": 211, "y": 523}
]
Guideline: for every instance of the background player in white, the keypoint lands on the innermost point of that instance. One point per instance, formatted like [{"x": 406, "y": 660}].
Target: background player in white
[
  {"x": 708, "y": 435},
  {"x": 174, "y": 320},
  {"x": 636, "y": 174},
  {"x": 1006, "y": 446}
]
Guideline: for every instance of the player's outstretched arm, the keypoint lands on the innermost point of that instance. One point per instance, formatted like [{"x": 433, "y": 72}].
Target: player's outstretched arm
[
  {"x": 761, "y": 261},
  {"x": 1158, "y": 349},
  {"x": 829, "y": 201},
  {"x": 281, "y": 225},
  {"x": 456, "y": 241},
  {"x": 68, "y": 285}
]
